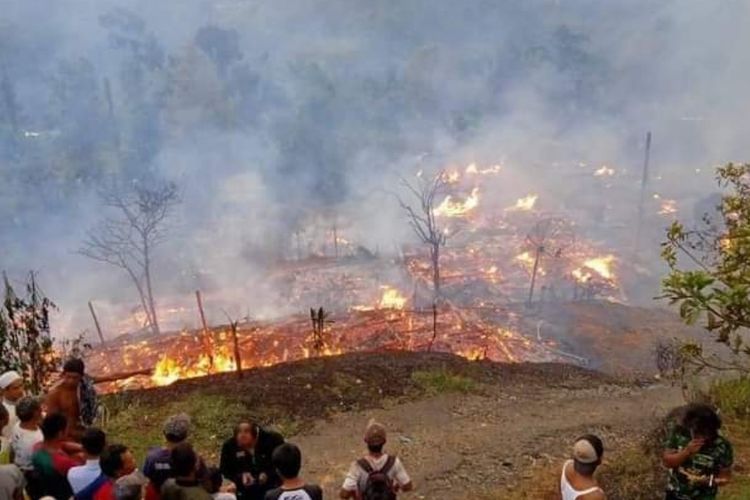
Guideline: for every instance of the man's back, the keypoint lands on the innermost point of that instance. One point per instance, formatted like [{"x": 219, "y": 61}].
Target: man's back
[
  {"x": 356, "y": 478},
  {"x": 573, "y": 486}
]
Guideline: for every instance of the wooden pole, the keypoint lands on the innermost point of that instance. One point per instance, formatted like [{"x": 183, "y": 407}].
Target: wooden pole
[
  {"x": 642, "y": 201},
  {"x": 533, "y": 275},
  {"x": 207, "y": 345},
  {"x": 96, "y": 322},
  {"x": 237, "y": 355},
  {"x": 200, "y": 309}
]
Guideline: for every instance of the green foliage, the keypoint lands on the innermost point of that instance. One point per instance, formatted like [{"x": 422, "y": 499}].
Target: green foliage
[
  {"x": 26, "y": 344},
  {"x": 442, "y": 381},
  {"x": 713, "y": 288},
  {"x": 732, "y": 396}
]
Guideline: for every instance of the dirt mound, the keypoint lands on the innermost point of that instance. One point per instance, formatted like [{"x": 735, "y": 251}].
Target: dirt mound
[{"x": 315, "y": 388}]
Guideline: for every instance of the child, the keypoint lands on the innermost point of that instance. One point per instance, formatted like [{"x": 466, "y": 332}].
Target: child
[
  {"x": 287, "y": 460},
  {"x": 215, "y": 482},
  {"x": 26, "y": 433}
]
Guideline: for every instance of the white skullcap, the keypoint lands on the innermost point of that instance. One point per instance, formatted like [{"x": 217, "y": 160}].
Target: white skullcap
[{"x": 8, "y": 378}]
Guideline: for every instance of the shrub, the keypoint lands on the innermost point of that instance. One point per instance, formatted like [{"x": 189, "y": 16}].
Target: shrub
[
  {"x": 732, "y": 396},
  {"x": 440, "y": 381}
]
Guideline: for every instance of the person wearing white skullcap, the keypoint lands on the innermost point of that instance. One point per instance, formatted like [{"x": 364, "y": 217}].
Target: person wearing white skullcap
[
  {"x": 11, "y": 384},
  {"x": 577, "y": 481}
]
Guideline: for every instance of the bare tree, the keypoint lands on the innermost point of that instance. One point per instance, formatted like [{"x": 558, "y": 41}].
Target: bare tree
[
  {"x": 423, "y": 219},
  {"x": 127, "y": 238},
  {"x": 549, "y": 237}
]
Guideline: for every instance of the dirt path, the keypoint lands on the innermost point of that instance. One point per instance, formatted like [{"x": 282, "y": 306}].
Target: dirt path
[{"x": 453, "y": 444}]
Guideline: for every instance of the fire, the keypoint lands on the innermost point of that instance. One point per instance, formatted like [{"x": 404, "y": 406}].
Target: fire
[
  {"x": 526, "y": 259},
  {"x": 668, "y": 207},
  {"x": 392, "y": 299},
  {"x": 169, "y": 370},
  {"x": 473, "y": 170},
  {"x": 450, "y": 208},
  {"x": 604, "y": 171},
  {"x": 526, "y": 203},
  {"x": 451, "y": 177},
  {"x": 600, "y": 265}
]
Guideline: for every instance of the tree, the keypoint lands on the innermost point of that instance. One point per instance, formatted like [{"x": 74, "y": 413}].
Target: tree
[
  {"x": 713, "y": 287},
  {"x": 424, "y": 222},
  {"x": 26, "y": 343},
  {"x": 128, "y": 238},
  {"x": 548, "y": 237}
]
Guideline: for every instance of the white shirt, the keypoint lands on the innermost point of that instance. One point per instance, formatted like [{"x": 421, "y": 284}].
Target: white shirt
[
  {"x": 567, "y": 490},
  {"x": 22, "y": 443},
  {"x": 356, "y": 478},
  {"x": 83, "y": 475},
  {"x": 12, "y": 419}
]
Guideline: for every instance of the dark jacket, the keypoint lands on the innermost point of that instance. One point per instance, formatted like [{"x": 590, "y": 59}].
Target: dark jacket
[{"x": 235, "y": 461}]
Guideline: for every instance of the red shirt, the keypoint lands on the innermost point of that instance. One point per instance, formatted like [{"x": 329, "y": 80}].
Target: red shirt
[{"x": 105, "y": 492}]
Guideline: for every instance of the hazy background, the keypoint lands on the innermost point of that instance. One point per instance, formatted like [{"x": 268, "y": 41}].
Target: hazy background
[{"x": 266, "y": 112}]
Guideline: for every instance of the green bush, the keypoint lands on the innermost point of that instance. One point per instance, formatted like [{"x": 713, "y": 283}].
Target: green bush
[
  {"x": 441, "y": 381},
  {"x": 732, "y": 396}
]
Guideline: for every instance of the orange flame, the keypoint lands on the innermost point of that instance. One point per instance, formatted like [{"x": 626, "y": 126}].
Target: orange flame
[
  {"x": 392, "y": 299},
  {"x": 450, "y": 208}
]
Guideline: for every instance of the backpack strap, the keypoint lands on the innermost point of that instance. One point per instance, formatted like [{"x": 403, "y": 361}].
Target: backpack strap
[
  {"x": 365, "y": 465},
  {"x": 389, "y": 463}
]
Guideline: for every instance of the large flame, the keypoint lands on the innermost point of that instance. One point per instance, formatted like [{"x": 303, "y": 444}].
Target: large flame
[
  {"x": 451, "y": 208},
  {"x": 169, "y": 370}
]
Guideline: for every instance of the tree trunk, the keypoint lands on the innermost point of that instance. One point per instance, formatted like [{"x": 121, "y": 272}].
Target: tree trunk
[
  {"x": 149, "y": 288},
  {"x": 533, "y": 275},
  {"x": 237, "y": 354},
  {"x": 436, "y": 270},
  {"x": 141, "y": 295}
]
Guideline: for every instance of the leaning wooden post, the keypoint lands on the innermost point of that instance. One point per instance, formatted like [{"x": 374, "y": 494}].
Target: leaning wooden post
[
  {"x": 200, "y": 309},
  {"x": 236, "y": 342},
  {"x": 206, "y": 340},
  {"x": 96, "y": 322}
]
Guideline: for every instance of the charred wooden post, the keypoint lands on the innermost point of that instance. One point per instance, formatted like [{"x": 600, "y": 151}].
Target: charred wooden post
[
  {"x": 642, "y": 201},
  {"x": 96, "y": 322},
  {"x": 236, "y": 344},
  {"x": 206, "y": 336}
]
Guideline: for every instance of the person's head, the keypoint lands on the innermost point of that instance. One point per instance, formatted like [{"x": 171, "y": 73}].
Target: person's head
[
  {"x": 29, "y": 410},
  {"x": 184, "y": 461},
  {"x": 4, "y": 416},
  {"x": 246, "y": 434},
  {"x": 213, "y": 480},
  {"x": 11, "y": 384},
  {"x": 130, "y": 486},
  {"x": 73, "y": 371},
  {"x": 287, "y": 460},
  {"x": 702, "y": 421},
  {"x": 117, "y": 461},
  {"x": 588, "y": 451},
  {"x": 93, "y": 441},
  {"x": 375, "y": 437},
  {"x": 177, "y": 428},
  {"x": 53, "y": 427}
]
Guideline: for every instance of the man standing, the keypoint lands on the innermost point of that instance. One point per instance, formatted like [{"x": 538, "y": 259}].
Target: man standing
[
  {"x": 64, "y": 397},
  {"x": 577, "y": 481},
  {"x": 246, "y": 460},
  {"x": 116, "y": 461},
  {"x": 93, "y": 441},
  {"x": 376, "y": 473},
  {"x": 51, "y": 462},
  {"x": 11, "y": 385}
]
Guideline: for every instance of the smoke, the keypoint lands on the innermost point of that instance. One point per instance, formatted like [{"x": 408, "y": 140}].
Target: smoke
[{"x": 268, "y": 114}]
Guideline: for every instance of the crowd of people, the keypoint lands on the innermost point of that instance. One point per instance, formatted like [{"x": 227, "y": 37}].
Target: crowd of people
[{"x": 50, "y": 450}]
